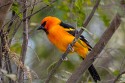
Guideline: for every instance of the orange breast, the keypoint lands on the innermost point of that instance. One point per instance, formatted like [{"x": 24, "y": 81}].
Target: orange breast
[{"x": 61, "y": 39}]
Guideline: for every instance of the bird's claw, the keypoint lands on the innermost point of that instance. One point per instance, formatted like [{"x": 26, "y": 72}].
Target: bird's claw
[
  {"x": 65, "y": 59},
  {"x": 71, "y": 48}
]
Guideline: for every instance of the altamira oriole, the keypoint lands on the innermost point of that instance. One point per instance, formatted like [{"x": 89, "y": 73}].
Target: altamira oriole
[{"x": 61, "y": 35}]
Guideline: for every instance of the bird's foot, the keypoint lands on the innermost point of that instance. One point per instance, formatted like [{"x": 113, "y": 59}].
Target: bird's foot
[
  {"x": 71, "y": 48},
  {"x": 65, "y": 59}
]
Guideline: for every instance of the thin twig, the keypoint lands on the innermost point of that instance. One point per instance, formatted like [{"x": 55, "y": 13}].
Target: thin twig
[
  {"x": 71, "y": 45},
  {"x": 38, "y": 10},
  {"x": 33, "y": 6},
  {"x": 8, "y": 3},
  {"x": 91, "y": 14},
  {"x": 4, "y": 10},
  {"x": 11, "y": 23},
  {"x": 14, "y": 32},
  {"x": 31, "y": 11},
  {"x": 117, "y": 78}
]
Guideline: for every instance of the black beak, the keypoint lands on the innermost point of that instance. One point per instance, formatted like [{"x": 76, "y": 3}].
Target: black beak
[{"x": 41, "y": 27}]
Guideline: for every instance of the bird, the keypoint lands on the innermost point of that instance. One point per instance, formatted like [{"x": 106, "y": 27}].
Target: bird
[{"x": 62, "y": 34}]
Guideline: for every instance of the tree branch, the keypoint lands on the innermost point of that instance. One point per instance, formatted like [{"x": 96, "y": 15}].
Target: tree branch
[
  {"x": 5, "y": 53},
  {"x": 71, "y": 45},
  {"x": 4, "y": 7},
  {"x": 38, "y": 11},
  {"x": 91, "y": 14},
  {"x": 25, "y": 40},
  {"x": 96, "y": 50},
  {"x": 117, "y": 78}
]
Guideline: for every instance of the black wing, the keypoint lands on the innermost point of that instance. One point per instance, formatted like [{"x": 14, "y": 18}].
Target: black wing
[
  {"x": 70, "y": 29},
  {"x": 85, "y": 40}
]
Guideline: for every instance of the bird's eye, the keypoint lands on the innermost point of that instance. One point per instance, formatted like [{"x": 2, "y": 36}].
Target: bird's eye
[{"x": 44, "y": 23}]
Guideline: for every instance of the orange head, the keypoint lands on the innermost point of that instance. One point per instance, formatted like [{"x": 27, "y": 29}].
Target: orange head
[{"x": 47, "y": 22}]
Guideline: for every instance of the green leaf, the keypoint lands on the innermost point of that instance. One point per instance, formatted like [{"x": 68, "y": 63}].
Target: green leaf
[
  {"x": 103, "y": 16},
  {"x": 68, "y": 64},
  {"x": 47, "y": 2},
  {"x": 116, "y": 72},
  {"x": 16, "y": 48},
  {"x": 105, "y": 19},
  {"x": 16, "y": 9},
  {"x": 89, "y": 2},
  {"x": 78, "y": 4}
]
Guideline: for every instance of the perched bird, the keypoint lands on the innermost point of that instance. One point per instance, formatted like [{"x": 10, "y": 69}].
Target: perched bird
[{"x": 61, "y": 35}]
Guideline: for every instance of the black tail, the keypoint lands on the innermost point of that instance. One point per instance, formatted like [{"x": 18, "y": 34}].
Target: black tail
[{"x": 94, "y": 73}]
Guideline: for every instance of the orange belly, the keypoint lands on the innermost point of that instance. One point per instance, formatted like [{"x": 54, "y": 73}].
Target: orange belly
[{"x": 63, "y": 39}]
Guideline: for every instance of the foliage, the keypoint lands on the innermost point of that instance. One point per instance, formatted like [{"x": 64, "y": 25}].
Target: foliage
[
  {"x": 16, "y": 8},
  {"x": 111, "y": 60}
]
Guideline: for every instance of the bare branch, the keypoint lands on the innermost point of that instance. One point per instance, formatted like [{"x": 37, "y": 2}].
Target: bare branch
[
  {"x": 25, "y": 41},
  {"x": 5, "y": 4},
  {"x": 117, "y": 78},
  {"x": 37, "y": 11},
  {"x": 4, "y": 7},
  {"x": 11, "y": 23},
  {"x": 3, "y": 10},
  {"x": 71, "y": 45},
  {"x": 5, "y": 53},
  {"x": 14, "y": 32},
  {"x": 96, "y": 50},
  {"x": 91, "y": 14}
]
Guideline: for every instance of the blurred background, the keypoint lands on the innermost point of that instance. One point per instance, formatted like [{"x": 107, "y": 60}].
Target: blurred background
[{"x": 42, "y": 55}]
